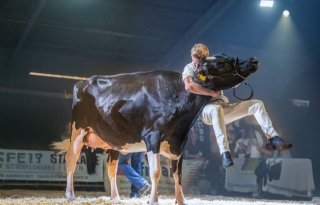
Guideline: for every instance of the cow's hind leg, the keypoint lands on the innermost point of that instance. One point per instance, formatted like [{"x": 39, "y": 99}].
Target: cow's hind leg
[
  {"x": 72, "y": 156},
  {"x": 177, "y": 174},
  {"x": 154, "y": 171},
  {"x": 112, "y": 167}
]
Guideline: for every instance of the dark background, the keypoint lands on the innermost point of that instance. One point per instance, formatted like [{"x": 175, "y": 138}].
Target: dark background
[{"x": 90, "y": 37}]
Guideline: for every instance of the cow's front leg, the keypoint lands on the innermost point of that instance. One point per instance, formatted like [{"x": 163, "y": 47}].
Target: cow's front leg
[
  {"x": 112, "y": 163},
  {"x": 177, "y": 174},
  {"x": 154, "y": 171},
  {"x": 72, "y": 156}
]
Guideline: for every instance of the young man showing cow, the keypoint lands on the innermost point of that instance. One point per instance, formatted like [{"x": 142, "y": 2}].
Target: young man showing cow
[
  {"x": 220, "y": 112},
  {"x": 144, "y": 111}
]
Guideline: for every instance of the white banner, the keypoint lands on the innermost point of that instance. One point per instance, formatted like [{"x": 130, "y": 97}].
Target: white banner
[
  {"x": 44, "y": 166},
  {"x": 47, "y": 166}
]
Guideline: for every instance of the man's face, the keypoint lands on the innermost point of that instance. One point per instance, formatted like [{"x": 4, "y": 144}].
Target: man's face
[{"x": 196, "y": 60}]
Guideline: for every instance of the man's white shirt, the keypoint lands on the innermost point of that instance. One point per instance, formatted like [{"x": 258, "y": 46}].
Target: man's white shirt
[{"x": 190, "y": 71}]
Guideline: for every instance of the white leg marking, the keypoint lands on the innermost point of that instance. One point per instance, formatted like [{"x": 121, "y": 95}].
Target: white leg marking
[
  {"x": 69, "y": 189},
  {"x": 178, "y": 188},
  {"x": 155, "y": 171},
  {"x": 72, "y": 156},
  {"x": 112, "y": 167}
]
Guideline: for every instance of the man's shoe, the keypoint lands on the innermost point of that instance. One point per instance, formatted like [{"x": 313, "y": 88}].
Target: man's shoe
[
  {"x": 134, "y": 195},
  {"x": 276, "y": 143},
  {"x": 226, "y": 159},
  {"x": 145, "y": 189}
]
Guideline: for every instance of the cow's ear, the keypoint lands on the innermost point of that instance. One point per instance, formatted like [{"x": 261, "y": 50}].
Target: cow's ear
[{"x": 236, "y": 62}]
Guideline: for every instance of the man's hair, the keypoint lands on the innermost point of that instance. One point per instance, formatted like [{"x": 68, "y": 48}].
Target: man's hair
[{"x": 200, "y": 50}]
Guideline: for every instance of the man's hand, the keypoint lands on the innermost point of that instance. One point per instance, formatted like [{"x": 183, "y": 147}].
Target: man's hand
[{"x": 215, "y": 93}]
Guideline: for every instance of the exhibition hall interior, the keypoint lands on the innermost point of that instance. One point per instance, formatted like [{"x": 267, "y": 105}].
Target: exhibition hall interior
[{"x": 47, "y": 46}]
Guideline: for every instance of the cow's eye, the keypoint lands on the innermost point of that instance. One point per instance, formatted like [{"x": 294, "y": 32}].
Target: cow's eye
[{"x": 219, "y": 65}]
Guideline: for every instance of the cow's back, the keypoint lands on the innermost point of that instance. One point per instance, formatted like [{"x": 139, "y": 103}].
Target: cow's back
[{"x": 127, "y": 108}]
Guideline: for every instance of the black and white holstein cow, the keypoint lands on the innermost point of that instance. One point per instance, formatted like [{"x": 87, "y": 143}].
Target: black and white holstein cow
[{"x": 144, "y": 111}]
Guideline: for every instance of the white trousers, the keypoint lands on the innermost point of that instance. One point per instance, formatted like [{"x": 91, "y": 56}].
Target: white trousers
[{"x": 218, "y": 115}]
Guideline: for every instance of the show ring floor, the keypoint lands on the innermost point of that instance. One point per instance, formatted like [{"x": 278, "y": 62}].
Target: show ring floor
[{"x": 31, "y": 197}]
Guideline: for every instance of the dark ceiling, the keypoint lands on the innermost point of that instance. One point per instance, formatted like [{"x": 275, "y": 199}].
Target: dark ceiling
[{"x": 89, "y": 37}]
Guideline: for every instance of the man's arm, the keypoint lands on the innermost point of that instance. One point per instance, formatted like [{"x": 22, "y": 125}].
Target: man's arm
[{"x": 195, "y": 88}]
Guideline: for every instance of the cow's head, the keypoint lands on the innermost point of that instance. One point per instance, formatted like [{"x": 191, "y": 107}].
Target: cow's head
[{"x": 222, "y": 72}]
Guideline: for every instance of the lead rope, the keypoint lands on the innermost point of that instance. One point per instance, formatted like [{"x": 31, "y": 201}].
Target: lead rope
[{"x": 247, "y": 84}]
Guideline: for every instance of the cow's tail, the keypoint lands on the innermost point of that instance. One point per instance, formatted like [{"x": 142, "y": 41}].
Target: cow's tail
[{"x": 61, "y": 147}]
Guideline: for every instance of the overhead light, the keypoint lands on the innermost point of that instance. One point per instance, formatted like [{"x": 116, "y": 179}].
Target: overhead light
[
  {"x": 266, "y": 3},
  {"x": 300, "y": 102},
  {"x": 285, "y": 13}
]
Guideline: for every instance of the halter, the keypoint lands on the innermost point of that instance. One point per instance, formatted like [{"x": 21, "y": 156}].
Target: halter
[
  {"x": 246, "y": 83},
  {"x": 206, "y": 75}
]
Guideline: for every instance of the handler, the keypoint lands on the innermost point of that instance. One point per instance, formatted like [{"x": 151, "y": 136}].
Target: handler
[{"x": 220, "y": 112}]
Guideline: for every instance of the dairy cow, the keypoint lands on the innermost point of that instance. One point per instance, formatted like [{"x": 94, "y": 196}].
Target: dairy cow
[{"x": 144, "y": 111}]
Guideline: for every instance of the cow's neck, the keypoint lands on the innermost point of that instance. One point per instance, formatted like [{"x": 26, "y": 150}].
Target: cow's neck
[
  {"x": 193, "y": 105},
  {"x": 199, "y": 102}
]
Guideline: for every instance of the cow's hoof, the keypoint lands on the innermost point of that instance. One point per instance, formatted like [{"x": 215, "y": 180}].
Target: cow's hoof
[
  {"x": 115, "y": 198},
  {"x": 70, "y": 197},
  {"x": 182, "y": 203}
]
